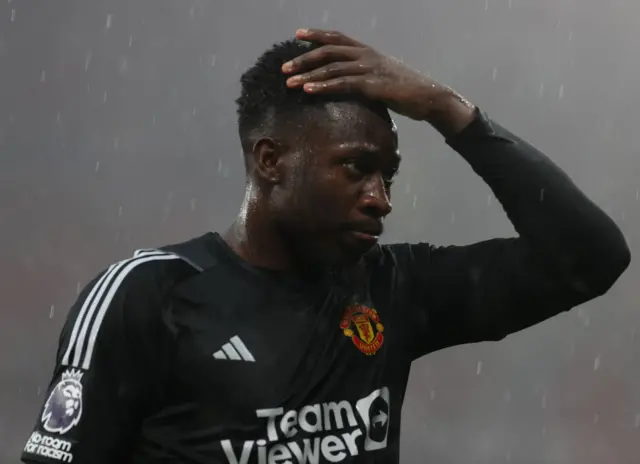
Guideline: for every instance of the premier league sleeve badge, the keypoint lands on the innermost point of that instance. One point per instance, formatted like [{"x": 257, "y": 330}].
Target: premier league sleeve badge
[{"x": 63, "y": 408}]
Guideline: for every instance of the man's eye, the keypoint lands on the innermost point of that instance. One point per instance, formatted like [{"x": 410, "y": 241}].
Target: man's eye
[{"x": 353, "y": 167}]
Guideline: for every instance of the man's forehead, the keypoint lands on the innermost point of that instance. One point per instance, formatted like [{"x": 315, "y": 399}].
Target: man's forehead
[{"x": 350, "y": 120}]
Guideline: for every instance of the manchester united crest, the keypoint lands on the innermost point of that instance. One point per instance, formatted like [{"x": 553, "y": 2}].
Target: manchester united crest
[{"x": 363, "y": 326}]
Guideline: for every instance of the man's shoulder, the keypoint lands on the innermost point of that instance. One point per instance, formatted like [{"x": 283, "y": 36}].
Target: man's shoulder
[
  {"x": 148, "y": 273},
  {"x": 149, "y": 269}
]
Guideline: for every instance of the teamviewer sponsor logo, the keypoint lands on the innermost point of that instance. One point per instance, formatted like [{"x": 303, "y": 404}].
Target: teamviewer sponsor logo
[
  {"x": 317, "y": 433},
  {"x": 49, "y": 447}
]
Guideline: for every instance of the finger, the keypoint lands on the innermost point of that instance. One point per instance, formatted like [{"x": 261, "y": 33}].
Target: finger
[
  {"x": 321, "y": 56},
  {"x": 344, "y": 84},
  {"x": 327, "y": 37},
  {"x": 330, "y": 71}
]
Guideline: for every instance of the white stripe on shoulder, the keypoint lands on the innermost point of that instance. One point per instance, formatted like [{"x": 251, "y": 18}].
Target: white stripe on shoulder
[
  {"x": 144, "y": 251},
  {"x": 97, "y": 303}
]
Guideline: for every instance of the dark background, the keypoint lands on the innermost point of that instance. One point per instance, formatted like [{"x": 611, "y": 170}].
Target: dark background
[{"x": 117, "y": 131}]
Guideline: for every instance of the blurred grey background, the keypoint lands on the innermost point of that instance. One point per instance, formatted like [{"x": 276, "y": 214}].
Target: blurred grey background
[{"x": 117, "y": 131}]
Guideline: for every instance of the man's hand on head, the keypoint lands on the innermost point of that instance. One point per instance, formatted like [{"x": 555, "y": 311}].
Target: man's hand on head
[{"x": 344, "y": 65}]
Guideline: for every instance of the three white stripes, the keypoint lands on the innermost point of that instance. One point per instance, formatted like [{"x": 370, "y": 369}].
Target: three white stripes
[
  {"x": 235, "y": 350},
  {"x": 86, "y": 327}
]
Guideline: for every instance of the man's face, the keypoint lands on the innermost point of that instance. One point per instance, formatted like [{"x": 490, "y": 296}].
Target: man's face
[{"x": 336, "y": 193}]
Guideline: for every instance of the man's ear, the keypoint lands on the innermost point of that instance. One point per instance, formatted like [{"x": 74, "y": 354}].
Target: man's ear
[{"x": 268, "y": 159}]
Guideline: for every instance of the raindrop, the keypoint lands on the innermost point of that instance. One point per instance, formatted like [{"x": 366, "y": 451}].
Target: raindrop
[
  {"x": 193, "y": 203},
  {"x": 570, "y": 35},
  {"x": 213, "y": 60},
  {"x": 97, "y": 166},
  {"x": 194, "y": 111},
  {"x": 167, "y": 210},
  {"x": 87, "y": 60},
  {"x": 130, "y": 40},
  {"x": 39, "y": 390},
  {"x": 509, "y": 4},
  {"x": 494, "y": 74},
  {"x": 541, "y": 89},
  {"x": 453, "y": 217},
  {"x": 116, "y": 142},
  {"x": 78, "y": 288},
  {"x": 374, "y": 22},
  {"x": 415, "y": 201},
  {"x": 596, "y": 363},
  {"x": 104, "y": 97},
  {"x": 541, "y": 195},
  {"x": 43, "y": 76},
  {"x": 192, "y": 12},
  {"x": 407, "y": 189},
  {"x": 58, "y": 117},
  {"x": 479, "y": 368},
  {"x": 507, "y": 396},
  {"x": 432, "y": 395},
  {"x": 637, "y": 421},
  {"x": 622, "y": 217},
  {"x": 489, "y": 200},
  {"x": 561, "y": 92},
  {"x": 124, "y": 65},
  {"x": 219, "y": 165},
  {"x": 281, "y": 4},
  {"x": 120, "y": 211},
  {"x": 325, "y": 16},
  {"x": 13, "y": 15},
  {"x": 109, "y": 20},
  {"x": 543, "y": 402},
  {"x": 507, "y": 457},
  {"x": 51, "y": 311},
  {"x": 486, "y": 5},
  {"x": 596, "y": 418}
]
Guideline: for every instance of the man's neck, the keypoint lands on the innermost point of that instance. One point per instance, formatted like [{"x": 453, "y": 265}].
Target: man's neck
[{"x": 257, "y": 242}]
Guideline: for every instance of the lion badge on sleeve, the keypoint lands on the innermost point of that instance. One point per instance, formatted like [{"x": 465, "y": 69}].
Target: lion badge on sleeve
[{"x": 63, "y": 408}]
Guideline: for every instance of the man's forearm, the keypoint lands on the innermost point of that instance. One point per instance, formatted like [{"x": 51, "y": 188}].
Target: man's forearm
[{"x": 566, "y": 229}]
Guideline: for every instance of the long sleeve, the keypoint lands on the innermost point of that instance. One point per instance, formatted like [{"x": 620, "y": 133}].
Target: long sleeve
[
  {"x": 568, "y": 250},
  {"x": 546, "y": 208}
]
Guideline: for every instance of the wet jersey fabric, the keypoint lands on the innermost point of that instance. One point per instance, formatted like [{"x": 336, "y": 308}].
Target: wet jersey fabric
[{"x": 187, "y": 354}]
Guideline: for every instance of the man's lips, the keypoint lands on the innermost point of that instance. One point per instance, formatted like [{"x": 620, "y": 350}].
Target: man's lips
[
  {"x": 366, "y": 232},
  {"x": 364, "y": 236}
]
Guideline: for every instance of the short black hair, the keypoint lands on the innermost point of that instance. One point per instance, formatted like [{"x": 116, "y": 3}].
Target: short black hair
[{"x": 265, "y": 96}]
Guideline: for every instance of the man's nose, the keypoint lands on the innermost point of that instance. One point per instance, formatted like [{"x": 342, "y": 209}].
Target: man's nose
[{"x": 375, "y": 199}]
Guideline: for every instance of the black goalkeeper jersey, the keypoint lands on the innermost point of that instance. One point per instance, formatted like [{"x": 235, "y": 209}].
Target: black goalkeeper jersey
[{"x": 187, "y": 354}]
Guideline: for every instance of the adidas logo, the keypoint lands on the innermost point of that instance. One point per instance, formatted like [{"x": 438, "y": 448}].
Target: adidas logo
[{"x": 234, "y": 350}]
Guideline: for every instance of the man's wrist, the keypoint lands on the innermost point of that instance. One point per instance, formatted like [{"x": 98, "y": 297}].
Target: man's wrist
[{"x": 449, "y": 112}]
